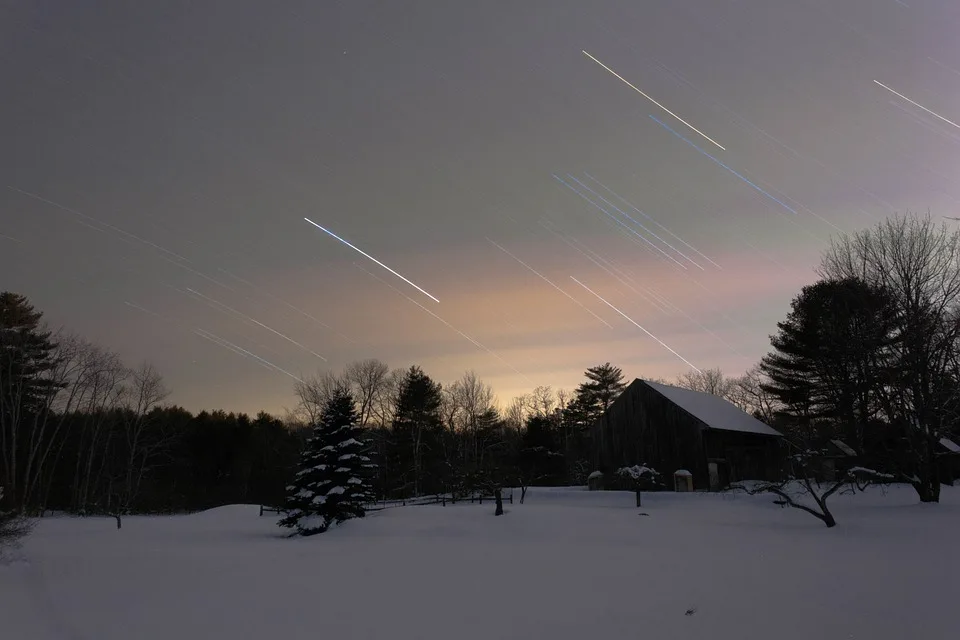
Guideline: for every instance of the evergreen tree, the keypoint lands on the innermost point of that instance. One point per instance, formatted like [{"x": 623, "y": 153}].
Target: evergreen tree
[
  {"x": 831, "y": 357},
  {"x": 591, "y": 399},
  {"x": 26, "y": 388},
  {"x": 604, "y": 383},
  {"x": 333, "y": 483},
  {"x": 540, "y": 462},
  {"x": 418, "y": 433}
]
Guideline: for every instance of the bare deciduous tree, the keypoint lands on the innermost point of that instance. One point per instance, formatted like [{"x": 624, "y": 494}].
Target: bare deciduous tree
[
  {"x": 385, "y": 404},
  {"x": 369, "y": 380},
  {"x": 68, "y": 388},
  {"x": 918, "y": 263},
  {"x": 470, "y": 400},
  {"x": 543, "y": 401},
  {"x": 801, "y": 490},
  {"x": 750, "y": 396},
  {"x": 314, "y": 392},
  {"x": 515, "y": 415},
  {"x": 104, "y": 382},
  {"x": 710, "y": 381},
  {"x": 142, "y": 442}
]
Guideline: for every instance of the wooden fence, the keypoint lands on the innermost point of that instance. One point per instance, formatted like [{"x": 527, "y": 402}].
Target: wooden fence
[{"x": 441, "y": 499}]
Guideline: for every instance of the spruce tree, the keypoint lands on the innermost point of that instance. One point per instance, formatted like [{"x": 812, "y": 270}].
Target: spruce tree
[{"x": 334, "y": 480}]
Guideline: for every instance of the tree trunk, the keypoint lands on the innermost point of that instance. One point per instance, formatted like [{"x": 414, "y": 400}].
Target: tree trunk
[
  {"x": 928, "y": 478},
  {"x": 828, "y": 518},
  {"x": 821, "y": 501},
  {"x": 928, "y": 490}
]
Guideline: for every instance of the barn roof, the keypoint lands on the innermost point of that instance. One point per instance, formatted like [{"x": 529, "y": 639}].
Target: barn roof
[
  {"x": 713, "y": 411},
  {"x": 844, "y": 448},
  {"x": 949, "y": 445}
]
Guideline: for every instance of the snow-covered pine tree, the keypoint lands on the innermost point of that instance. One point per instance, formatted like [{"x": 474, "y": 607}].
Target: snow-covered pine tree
[
  {"x": 353, "y": 470},
  {"x": 333, "y": 483}
]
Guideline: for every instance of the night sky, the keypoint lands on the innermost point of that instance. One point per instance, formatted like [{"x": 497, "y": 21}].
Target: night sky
[{"x": 157, "y": 161}]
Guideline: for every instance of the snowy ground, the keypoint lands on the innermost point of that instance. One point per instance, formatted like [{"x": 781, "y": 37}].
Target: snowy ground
[{"x": 568, "y": 564}]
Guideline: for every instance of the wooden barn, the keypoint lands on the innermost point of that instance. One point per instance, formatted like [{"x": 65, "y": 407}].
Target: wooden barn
[{"x": 669, "y": 428}]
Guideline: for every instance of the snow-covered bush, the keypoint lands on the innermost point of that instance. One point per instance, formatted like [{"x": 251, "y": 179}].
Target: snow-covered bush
[{"x": 639, "y": 477}]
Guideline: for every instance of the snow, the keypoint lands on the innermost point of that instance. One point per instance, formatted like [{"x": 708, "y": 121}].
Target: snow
[
  {"x": 639, "y": 471},
  {"x": 568, "y": 564},
  {"x": 950, "y": 445},
  {"x": 871, "y": 473},
  {"x": 595, "y": 475},
  {"x": 712, "y": 410},
  {"x": 844, "y": 448}
]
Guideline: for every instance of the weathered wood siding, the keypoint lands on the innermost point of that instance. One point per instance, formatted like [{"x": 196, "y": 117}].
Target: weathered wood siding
[
  {"x": 643, "y": 427},
  {"x": 747, "y": 456}
]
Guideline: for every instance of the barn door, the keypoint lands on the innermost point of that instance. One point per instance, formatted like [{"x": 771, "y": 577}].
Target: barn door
[{"x": 713, "y": 470}]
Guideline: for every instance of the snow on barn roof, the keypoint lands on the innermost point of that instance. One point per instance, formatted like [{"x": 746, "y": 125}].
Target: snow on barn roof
[
  {"x": 844, "y": 448},
  {"x": 950, "y": 445},
  {"x": 713, "y": 411}
]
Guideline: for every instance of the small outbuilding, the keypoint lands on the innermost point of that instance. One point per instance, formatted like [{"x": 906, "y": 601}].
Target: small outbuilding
[
  {"x": 670, "y": 428},
  {"x": 836, "y": 459},
  {"x": 595, "y": 481},
  {"x": 948, "y": 461}
]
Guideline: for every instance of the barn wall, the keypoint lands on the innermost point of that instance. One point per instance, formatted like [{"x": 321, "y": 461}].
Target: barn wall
[
  {"x": 642, "y": 426},
  {"x": 745, "y": 456}
]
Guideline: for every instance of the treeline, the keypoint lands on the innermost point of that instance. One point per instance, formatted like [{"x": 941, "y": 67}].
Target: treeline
[
  {"x": 82, "y": 432},
  {"x": 870, "y": 354},
  {"x": 429, "y": 438}
]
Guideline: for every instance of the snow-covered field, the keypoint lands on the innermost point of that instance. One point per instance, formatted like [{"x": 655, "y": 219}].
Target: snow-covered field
[{"x": 568, "y": 564}]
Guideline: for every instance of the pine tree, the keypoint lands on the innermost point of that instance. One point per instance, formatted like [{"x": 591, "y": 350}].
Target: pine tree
[
  {"x": 831, "y": 357},
  {"x": 604, "y": 384},
  {"x": 27, "y": 358},
  {"x": 334, "y": 481},
  {"x": 591, "y": 399},
  {"x": 418, "y": 432}
]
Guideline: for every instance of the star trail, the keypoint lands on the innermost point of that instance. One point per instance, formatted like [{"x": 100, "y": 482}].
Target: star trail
[{"x": 196, "y": 198}]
